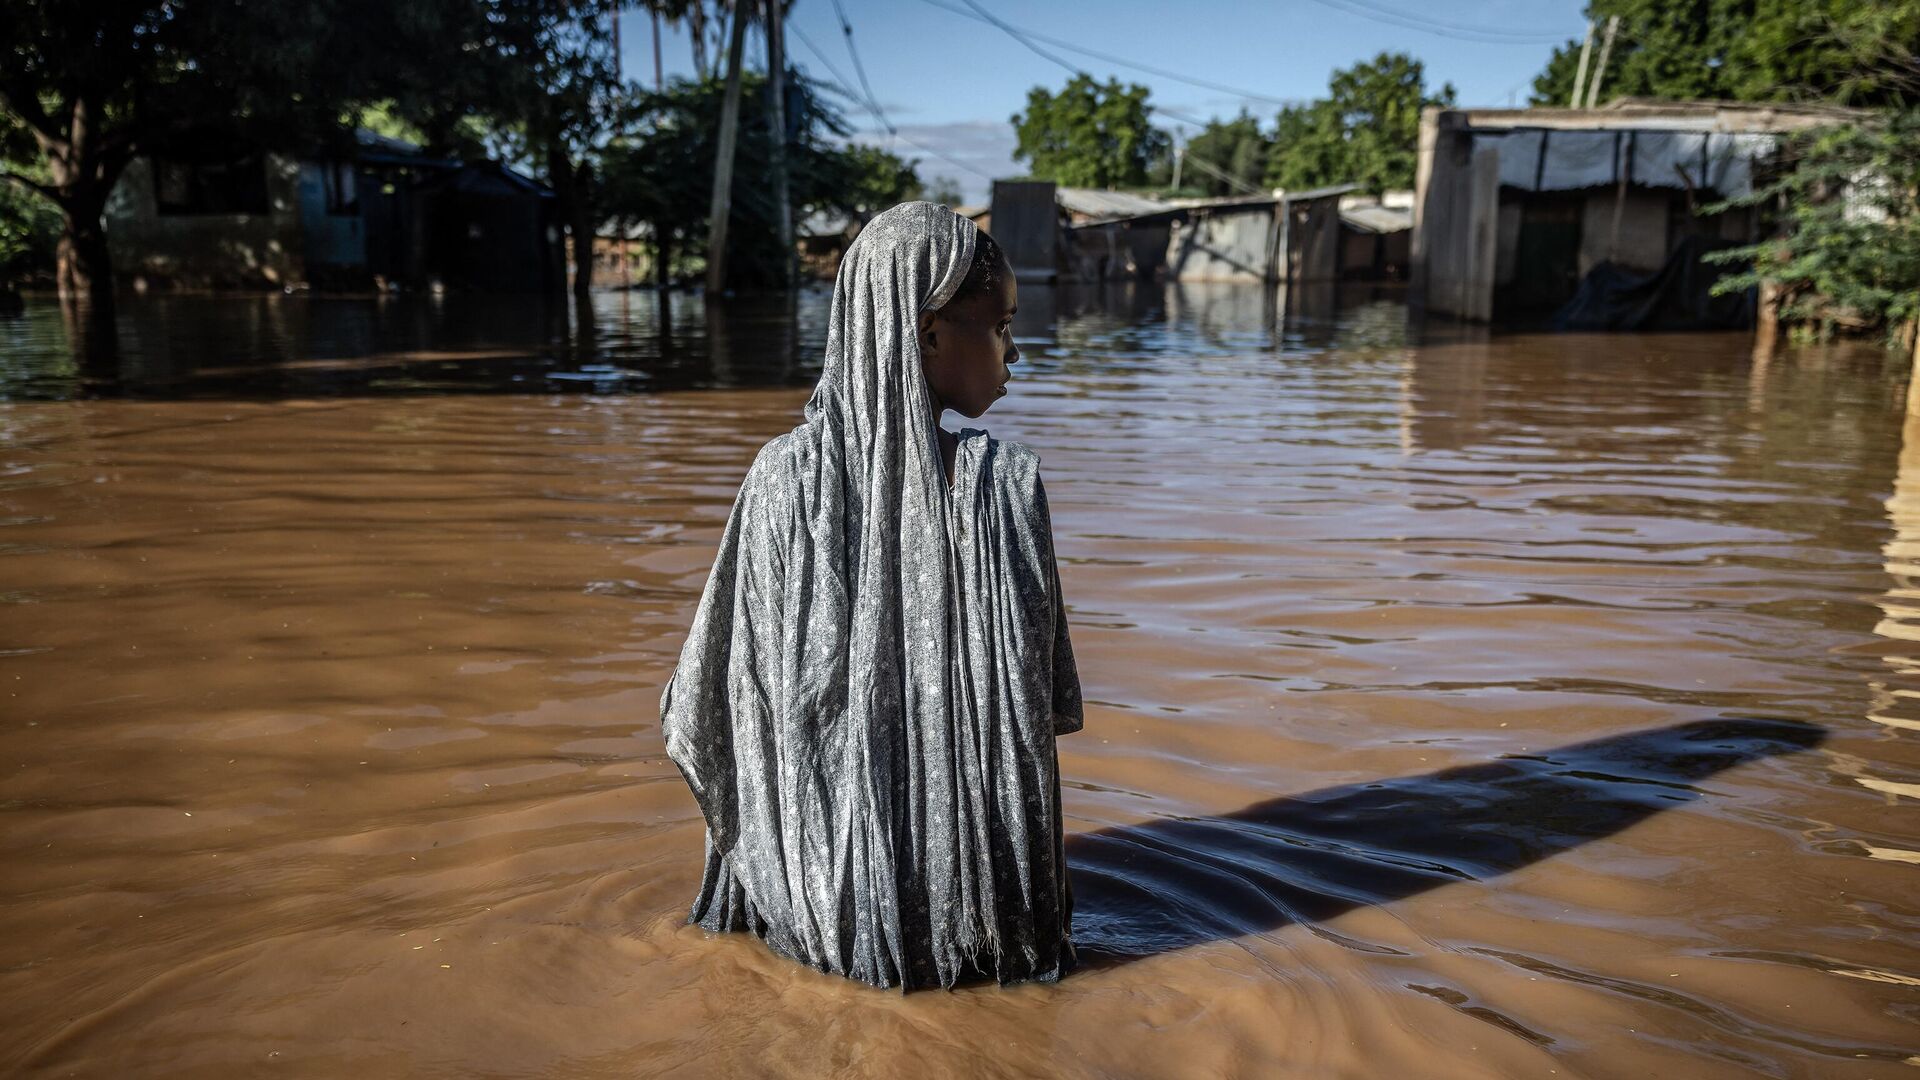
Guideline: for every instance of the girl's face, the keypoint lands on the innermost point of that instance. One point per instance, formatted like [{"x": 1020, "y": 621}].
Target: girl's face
[{"x": 967, "y": 347}]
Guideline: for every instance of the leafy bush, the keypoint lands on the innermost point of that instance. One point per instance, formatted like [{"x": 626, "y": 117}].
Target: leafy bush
[{"x": 1848, "y": 253}]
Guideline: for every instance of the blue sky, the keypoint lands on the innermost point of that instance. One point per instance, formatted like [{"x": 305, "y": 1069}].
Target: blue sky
[{"x": 948, "y": 81}]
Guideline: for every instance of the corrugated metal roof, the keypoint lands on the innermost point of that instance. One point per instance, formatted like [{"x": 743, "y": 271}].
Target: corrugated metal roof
[
  {"x": 1102, "y": 204},
  {"x": 1321, "y": 192},
  {"x": 1377, "y": 219},
  {"x": 1645, "y": 114},
  {"x": 488, "y": 178}
]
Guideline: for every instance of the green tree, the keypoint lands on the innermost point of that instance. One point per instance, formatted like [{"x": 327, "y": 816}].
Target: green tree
[
  {"x": 1309, "y": 147},
  {"x": 866, "y": 180},
  {"x": 1228, "y": 157},
  {"x": 944, "y": 190},
  {"x": 1088, "y": 134},
  {"x": 1743, "y": 50},
  {"x": 659, "y": 169},
  {"x": 1849, "y": 254},
  {"x": 29, "y": 233},
  {"x": 85, "y": 88},
  {"x": 549, "y": 96},
  {"x": 1366, "y": 131}
]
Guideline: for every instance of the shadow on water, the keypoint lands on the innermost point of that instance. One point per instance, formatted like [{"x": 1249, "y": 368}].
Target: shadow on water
[{"x": 1143, "y": 890}]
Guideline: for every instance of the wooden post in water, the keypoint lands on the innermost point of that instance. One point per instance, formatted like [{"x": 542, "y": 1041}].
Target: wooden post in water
[{"x": 722, "y": 206}]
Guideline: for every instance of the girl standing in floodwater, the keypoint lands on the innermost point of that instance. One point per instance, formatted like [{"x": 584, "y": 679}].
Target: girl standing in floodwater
[{"x": 866, "y": 703}]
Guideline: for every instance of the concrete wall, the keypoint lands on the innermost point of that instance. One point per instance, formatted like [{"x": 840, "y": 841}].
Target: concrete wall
[
  {"x": 207, "y": 250},
  {"x": 1641, "y": 243},
  {"x": 1440, "y": 214},
  {"x": 1457, "y": 220}
]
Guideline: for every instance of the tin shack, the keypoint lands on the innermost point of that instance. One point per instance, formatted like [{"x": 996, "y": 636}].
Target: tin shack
[{"x": 1590, "y": 218}]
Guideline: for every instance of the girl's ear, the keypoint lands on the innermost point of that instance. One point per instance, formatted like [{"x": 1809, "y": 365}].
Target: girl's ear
[{"x": 927, "y": 342}]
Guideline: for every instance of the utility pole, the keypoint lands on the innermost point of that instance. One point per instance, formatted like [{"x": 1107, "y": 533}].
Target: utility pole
[
  {"x": 1580, "y": 73},
  {"x": 1179, "y": 152},
  {"x": 722, "y": 207},
  {"x": 1600, "y": 70},
  {"x": 777, "y": 115},
  {"x": 625, "y": 247},
  {"x": 659, "y": 83}
]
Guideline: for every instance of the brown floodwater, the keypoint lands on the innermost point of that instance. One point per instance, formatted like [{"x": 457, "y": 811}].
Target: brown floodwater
[{"x": 1457, "y": 706}]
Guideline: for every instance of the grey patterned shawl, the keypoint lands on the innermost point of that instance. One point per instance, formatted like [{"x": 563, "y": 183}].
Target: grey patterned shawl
[{"x": 866, "y": 702}]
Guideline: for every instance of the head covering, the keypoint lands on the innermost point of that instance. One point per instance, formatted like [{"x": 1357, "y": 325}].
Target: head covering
[{"x": 812, "y": 712}]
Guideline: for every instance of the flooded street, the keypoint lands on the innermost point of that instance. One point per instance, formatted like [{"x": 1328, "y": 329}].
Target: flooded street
[{"x": 1537, "y": 706}]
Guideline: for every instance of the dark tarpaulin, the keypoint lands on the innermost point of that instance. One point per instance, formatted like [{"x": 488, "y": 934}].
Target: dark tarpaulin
[{"x": 1675, "y": 297}]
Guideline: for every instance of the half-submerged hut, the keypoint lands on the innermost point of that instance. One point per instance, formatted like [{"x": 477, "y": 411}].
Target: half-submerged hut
[{"x": 1590, "y": 218}]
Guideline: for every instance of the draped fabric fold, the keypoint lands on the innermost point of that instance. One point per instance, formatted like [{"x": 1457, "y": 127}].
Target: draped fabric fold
[{"x": 866, "y": 702}]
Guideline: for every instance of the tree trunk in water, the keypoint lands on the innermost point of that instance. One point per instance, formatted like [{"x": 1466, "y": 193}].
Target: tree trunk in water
[
  {"x": 581, "y": 225},
  {"x": 777, "y": 115},
  {"x": 570, "y": 184},
  {"x": 83, "y": 269},
  {"x": 1766, "y": 326},
  {"x": 722, "y": 207}
]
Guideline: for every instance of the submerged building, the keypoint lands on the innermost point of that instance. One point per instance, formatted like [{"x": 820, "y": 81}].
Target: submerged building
[
  {"x": 379, "y": 213},
  {"x": 1591, "y": 218},
  {"x": 1054, "y": 233}
]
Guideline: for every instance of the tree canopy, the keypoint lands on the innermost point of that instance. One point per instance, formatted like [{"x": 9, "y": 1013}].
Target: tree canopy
[
  {"x": 659, "y": 168},
  {"x": 1743, "y": 50},
  {"x": 1228, "y": 157},
  {"x": 1366, "y": 131},
  {"x": 85, "y": 88},
  {"x": 1089, "y": 134},
  {"x": 1850, "y": 253}
]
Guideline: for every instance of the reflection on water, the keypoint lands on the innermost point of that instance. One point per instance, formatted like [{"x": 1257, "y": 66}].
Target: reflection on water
[
  {"x": 270, "y": 345},
  {"x": 1457, "y": 705}
]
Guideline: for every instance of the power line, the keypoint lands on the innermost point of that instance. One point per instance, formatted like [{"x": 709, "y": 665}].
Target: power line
[
  {"x": 944, "y": 157},
  {"x": 874, "y": 107},
  {"x": 1409, "y": 21},
  {"x": 841, "y": 81},
  {"x": 1465, "y": 28},
  {"x": 1112, "y": 59},
  {"x": 846, "y": 30},
  {"x": 1224, "y": 176},
  {"x": 1017, "y": 35}
]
